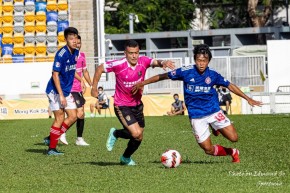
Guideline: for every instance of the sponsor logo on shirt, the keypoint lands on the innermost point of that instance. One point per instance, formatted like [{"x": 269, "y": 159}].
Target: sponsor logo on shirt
[
  {"x": 70, "y": 67},
  {"x": 186, "y": 67}
]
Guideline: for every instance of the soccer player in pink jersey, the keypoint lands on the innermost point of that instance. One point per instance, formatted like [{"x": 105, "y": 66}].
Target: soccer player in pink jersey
[
  {"x": 128, "y": 107},
  {"x": 77, "y": 90}
]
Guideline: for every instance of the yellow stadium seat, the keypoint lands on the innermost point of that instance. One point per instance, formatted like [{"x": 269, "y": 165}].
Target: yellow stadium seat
[
  {"x": 62, "y": 5},
  {"x": 29, "y": 27},
  {"x": 29, "y": 17},
  {"x": 18, "y": 38},
  {"x": 29, "y": 49},
  {"x": 40, "y": 16},
  {"x": 51, "y": 5},
  {"x": 60, "y": 37},
  {"x": 40, "y": 26},
  {"x": 7, "y": 7},
  {"x": 18, "y": 49},
  {"x": 7, "y": 28},
  {"x": 7, "y": 18},
  {"x": 40, "y": 49},
  {"x": 7, "y": 39}
]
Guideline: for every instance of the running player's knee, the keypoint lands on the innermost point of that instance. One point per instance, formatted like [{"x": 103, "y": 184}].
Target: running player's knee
[
  {"x": 137, "y": 135},
  {"x": 234, "y": 138},
  {"x": 80, "y": 115}
]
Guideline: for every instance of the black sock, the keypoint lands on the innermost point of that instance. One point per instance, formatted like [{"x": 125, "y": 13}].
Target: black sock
[
  {"x": 80, "y": 127},
  {"x": 123, "y": 133},
  {"x": 133, "y": 145}
]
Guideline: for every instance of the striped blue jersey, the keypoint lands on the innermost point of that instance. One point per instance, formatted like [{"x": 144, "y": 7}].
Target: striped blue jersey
[
  {"x": 65, "y": 64},
  {"x": 200, "y": 96}
]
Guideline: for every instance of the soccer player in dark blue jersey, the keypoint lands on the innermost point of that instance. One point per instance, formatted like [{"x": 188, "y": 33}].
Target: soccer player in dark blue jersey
[
  {"x": 202, "y": 102},
  {"x": 58, "y": 89}
]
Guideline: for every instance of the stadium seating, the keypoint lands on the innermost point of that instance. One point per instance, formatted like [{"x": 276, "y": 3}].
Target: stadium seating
[
  {"x": 18, "y": 38},
  {"x": 40, "y": 37},
  {"x": 18, "y": 49},
  {"x": 7, "y": 39},
  {"x": 51, "y": 5},
  {"x": 32, "y": 28}
]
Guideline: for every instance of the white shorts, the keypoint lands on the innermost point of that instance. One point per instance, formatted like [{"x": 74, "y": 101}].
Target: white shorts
[
  {"x": 200, "y": 127},
  {"x": 54, "y": 102}
]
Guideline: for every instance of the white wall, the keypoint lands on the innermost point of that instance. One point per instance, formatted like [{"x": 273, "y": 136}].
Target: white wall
[
  {"x": 278, "y": 63},
  {"x": 17, "y": 78}
]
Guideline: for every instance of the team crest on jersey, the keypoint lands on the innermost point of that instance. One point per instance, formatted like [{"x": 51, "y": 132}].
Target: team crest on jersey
[
  {"x": 208, "y": 80},
  {"x": 173, "y": 73},
  {"x": 57, "y": 64},
  {"x": 128, "y": 118}
]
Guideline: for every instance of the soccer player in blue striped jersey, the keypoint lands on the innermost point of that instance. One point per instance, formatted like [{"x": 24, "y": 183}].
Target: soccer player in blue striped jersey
[
  {"x": 59, "y": 87},
  {"x": 202, "y": 102}
]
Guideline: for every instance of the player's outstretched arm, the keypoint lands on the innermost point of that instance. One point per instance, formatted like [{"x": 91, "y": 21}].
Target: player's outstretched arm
[
  {"x": 233, "y": 88},
  {"x": 153, "y": 79},
  {"x": 163, "y": 64},
  {"x": 96, "y": 79}
]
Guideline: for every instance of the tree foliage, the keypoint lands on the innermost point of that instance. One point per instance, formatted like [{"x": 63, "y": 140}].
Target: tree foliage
[
  {"x": 154, "y": 16},
  {"x": 239, "y": 13}
]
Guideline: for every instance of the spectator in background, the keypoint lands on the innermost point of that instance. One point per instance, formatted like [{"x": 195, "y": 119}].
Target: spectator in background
[
  {"x": 101, "y": 103},
  {"x": 177, "y": 107},
  {"x": 225, "y": 98},
  {"x": 1, "y": 100}
]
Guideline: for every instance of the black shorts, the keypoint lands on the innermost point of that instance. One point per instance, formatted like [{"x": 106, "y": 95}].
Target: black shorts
[
  {"x": 79, "y": 99},
  {"x": 104, "y": 106},
  {"x": 130, "y": 115}
]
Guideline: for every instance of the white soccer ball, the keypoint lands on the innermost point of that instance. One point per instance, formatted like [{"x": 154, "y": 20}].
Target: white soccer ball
[{"x": 171, "y": 158}]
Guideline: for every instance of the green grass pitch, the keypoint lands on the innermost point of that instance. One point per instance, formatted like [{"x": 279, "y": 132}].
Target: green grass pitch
[{"x": 264, "y": 146}]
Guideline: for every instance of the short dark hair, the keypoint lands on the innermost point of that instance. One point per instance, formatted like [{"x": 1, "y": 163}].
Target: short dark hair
[
  {"x": 202, "y": 49},
  {"x": 100, "y": 87},
  {"x": 131, "y": 43},
  {"x": 175, "y": 95},
  {"x": 79, "y": 37},
  {"x": 70, "y": 30}
]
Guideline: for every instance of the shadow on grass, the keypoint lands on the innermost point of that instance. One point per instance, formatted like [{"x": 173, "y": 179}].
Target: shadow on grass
[
  {"x": 42, "y": 151},
  {"x": 103, "y": 163},
  {"x": 42, "y": 144},
  {"x": 193, "y": 162}
]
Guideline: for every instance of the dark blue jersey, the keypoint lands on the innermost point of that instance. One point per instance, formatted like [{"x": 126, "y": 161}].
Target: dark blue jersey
[
  {"x": 65, "y": 64},
  {"x": 201, "y": 98}
]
